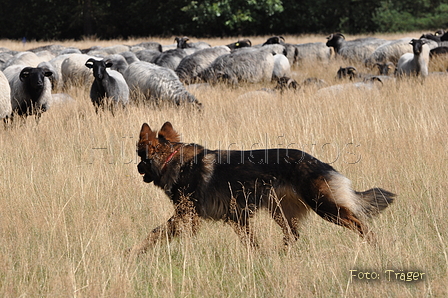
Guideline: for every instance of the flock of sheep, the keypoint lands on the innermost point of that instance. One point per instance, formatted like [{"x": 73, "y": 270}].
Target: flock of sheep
[{"x": 31, "y": 81}]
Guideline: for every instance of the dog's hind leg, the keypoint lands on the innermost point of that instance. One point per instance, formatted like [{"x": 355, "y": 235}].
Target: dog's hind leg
[{"x": 244, "y": 230}]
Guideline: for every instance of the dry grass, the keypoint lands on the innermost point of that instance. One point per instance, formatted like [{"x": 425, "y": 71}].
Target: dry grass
[{"x": 72, "y": 200}]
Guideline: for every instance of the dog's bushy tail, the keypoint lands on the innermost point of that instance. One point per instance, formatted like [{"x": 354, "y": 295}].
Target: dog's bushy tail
[{"x": 375, "y": 200}]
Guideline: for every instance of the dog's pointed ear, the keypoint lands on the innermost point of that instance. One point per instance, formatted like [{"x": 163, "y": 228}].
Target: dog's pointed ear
[
  {"x": 168, "y": 133},
  {"x": 145, "y": 132}
]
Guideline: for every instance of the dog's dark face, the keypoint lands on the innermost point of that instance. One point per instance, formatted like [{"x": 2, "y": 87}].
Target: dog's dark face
[{"x": 154, "y": 149}]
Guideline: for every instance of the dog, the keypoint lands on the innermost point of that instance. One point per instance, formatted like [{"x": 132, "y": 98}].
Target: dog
[{"x": 231, "y": 185}]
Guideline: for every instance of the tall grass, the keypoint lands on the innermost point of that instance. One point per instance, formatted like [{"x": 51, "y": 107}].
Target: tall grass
[{"x": 72, "y": 201}]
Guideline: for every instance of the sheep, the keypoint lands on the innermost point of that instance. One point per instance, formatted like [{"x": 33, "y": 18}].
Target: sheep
[
  {"x": 130, "y": 57},
  {"x": 182, "y": 42},
  {"x": 290, "y": 50},
  {"x": 192, "y": 65},
  {"x": 390, "y": 51},
  {"x": 55, "y": 78},
  {"x": 170, "y": 59},
  {"x": 415, "y": 63},
  {"x": 312, "y": 51},
  {"x": 251, "y": 66},
  {"x": 103, "y": 52},
  {"x": 158, "y": 83},
  {"x": 147, "y": 55},
  {"x": 149, "y": 45},
  {"x": 384, "y": 67},
  {"x": 119, "y": 63},
  {"x": 282, "y": 68},
  {"x": 439, "y": 51},
  {"x": 368, "y": 84},
  {"x": 30, "y": 89},
  {"x": 73, "y": 70},
  {"x": 5, "y": 97},
  {"x": 108, "y": 84},
  {"x": 344, "y": 72},
  {"x": 240, "y": 44},
  {"x": 24, "y": 58},
  {"x": 355, "y": 50}
]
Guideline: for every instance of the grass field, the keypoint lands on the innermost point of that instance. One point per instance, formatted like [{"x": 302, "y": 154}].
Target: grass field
[{"x": 72, "y": 200}]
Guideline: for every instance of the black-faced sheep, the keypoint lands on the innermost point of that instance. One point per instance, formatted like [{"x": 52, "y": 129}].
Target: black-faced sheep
[
  {"x": 415, "y": 63},
  {"x": 355, "y": 50},
  {"x": 192, "y": 65},
  {"x": 393, "y": 50},
  {"x": 5, "y": 97},
  {"x": 158, "y": 83},
  {"x": 240, "y": 44},
  {"x": 108, "y": 84},
  {"x": 346, "y": 72},
  {"x": 384, "y": 67},
  {"x": 290, "y": 50},
  {"x": 30, "y": 89}
]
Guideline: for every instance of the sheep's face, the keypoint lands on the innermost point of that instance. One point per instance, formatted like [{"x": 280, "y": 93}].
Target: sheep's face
[
  {"x": 99, "y": 67},
  {"x": 417, "y": 45},
  {"x": 34, "y": 78}
]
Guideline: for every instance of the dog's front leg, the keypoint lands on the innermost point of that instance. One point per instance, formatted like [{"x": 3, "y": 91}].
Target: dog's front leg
[{"x": 167, "y": 230}]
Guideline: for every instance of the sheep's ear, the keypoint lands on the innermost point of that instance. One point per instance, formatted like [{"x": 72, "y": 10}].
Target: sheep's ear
[
  {"x": 48, "y": 73},
  {"x": 108, "y": 63},
  {"x": 24, "y": 73},
  {"x": 168, "y": 133},
  {"x": 89, "y": 63}
]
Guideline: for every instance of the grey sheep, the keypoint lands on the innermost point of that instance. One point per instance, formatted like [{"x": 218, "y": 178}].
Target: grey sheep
[
  {"x": 108, "y": 84},
  {"x": 251, "y": 66},
  {"x": 170, "y": 59},
  {"x": 5, "y": 97},
  {"x": 30, "y": 89},
  {"x": 415, "y": 63},
  {"x": 312, "y": 51},
  {"x": 147, "y": 55},
  {"x": 148, "y": 45},
  {"x": 355, "y": 50},
  {"x": 158, "y": 83},
  {"x": 192, "y": 65}
]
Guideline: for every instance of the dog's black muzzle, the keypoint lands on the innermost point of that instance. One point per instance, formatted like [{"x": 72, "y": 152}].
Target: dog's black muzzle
[{"x": 144, "y": 168}]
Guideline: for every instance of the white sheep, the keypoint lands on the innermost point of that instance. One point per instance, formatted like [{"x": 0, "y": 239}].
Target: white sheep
[
  {"x": 30, "y": 89},
  {"x": 74, "y": 71},
  {"x": 158, "y": 83},
  {"x": 5, "y": 97},
  {"x": 24, "y": 58},
  {"x": 282, "y": 68},
  {"x": 415, "y": 63},
  {"x": 108, "y": 84},
  {"x": 389, "y": 51}
]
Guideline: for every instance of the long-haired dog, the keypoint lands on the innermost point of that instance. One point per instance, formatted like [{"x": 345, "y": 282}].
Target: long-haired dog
[{"x": 231, "y": 185}]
